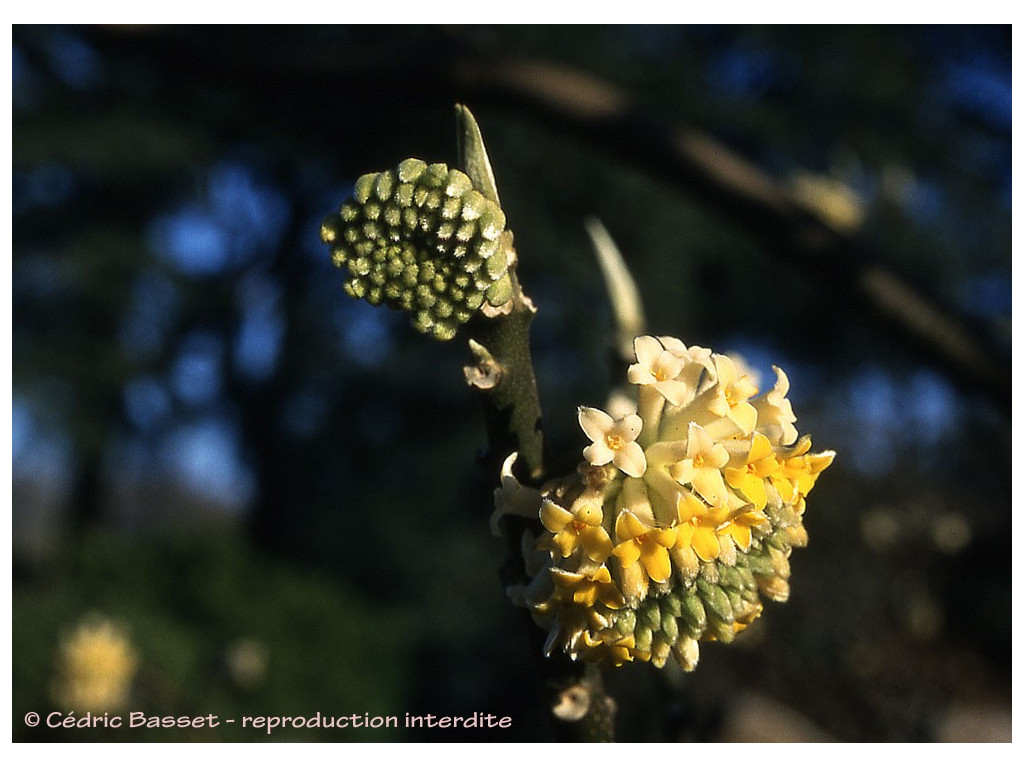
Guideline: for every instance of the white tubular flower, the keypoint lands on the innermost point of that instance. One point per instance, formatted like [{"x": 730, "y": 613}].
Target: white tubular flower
[
  {"x": 775, "y": 415},
  {"x": 658, "y": 367},
  {"x": 734, "y": 388},
  {"x": 681, "y": 519},
  {"x": 614, "y": 441},
  {"x": 702, "y": 467},
  {"x": 512, "y": 498},
  {"x": 698, "y": 370}
]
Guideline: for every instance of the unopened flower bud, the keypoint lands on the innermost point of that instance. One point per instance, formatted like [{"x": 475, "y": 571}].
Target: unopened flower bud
[
  {"x": 669, "y": 627},
  {"x": 687, "y": 652},
  {"x": 693, "y": 613},
  {"x": 443, "y": 245},
  {"x": 774, "y": 587},
  {"x": 660, "y": 650}
]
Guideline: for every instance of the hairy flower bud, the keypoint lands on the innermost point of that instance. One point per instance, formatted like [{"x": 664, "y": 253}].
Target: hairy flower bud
[{"x": 421, "y": 239}]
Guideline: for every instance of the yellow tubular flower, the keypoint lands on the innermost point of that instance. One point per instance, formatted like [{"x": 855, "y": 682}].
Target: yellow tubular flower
[
  {"x": 587, "y": 589},
  {"x": 698, "y": 526},
  {"x": 706, "y": 488},
  {"x": 759, "y": 464},
  {"x": 733, "y": 391},
  {"x": 798, "y": 471},
  {"x": 581, "y": 528},
  {"x": 648, "y": 545},
  {"x": 738, "y": 527},
  {"x": 698, "y": 368}
]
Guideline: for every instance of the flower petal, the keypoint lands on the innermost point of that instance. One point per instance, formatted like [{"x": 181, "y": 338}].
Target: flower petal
[
  {"x": 609, "y": 595},
  {"x": 665, "y": 537},
  {"x": 554, "y": 517},
  {"x": 683, "y": 471},
  {"x": 506, "y": 466},
  {"x": 689, "y": 507},
  {"x": 672, "y": 344},
  {"x": 725, "y": 368},
  {"x": 676, "y": 392},
  {"x": 750, "y": 485},
  {"x": 657, "y": 563},
  {"x": 629, "y": 427},
  {"x": 628, "y": 527},
  {"x": 710, "y": 485},
  {"x": 684, "y": 535},
  {"x": 740, "y": 534},
  {"x": 596, "y": 543},
  {"x": 647, "y": 349},
  {"x": 760, "y": 448},
  {"x": 744, "y": 416},
  {"x": 753, "y": 488},
  {"x": 595, "y": 423},
  {"x": 566, "y": 541},
  {"x": 631, "y": 460},
  {"x": 628, "y": 552},
  {"x": 598, "y": 453},
  {"x": 705, "y": 543},
  {"x": 589, "y": 513}
]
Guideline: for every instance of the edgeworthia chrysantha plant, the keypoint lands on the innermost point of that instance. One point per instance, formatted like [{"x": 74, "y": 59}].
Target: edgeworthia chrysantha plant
[{"x": 690, "y": 496}]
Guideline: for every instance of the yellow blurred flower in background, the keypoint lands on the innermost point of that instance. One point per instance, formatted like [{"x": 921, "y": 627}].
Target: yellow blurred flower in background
[{"x": 96, "y": 664}]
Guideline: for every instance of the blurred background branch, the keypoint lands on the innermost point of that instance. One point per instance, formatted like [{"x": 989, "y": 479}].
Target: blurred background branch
[{"x": 737, "y": 189}]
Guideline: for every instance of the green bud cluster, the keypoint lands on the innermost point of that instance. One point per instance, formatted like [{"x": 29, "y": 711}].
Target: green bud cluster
[
  {"x": 421, "y": 239},
  {"x": 719, "y": 602}
]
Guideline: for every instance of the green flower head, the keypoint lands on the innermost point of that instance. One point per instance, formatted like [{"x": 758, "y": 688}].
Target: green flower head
[{"x": 421, "y": 239}]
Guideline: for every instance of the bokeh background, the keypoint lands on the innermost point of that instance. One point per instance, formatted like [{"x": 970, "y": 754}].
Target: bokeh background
[{"x": 238, "y": 491}]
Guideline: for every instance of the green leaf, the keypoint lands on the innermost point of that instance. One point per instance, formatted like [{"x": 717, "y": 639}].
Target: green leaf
[{"x": 473, "y": 155}]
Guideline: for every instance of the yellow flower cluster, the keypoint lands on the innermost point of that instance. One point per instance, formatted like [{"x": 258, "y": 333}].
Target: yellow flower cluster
[
  {"x": 682, "y": 515},
  {"x": 96, "y": 665}
]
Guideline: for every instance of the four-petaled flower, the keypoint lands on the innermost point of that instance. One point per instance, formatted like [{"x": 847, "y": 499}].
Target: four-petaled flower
[
  {"x": 749, "y": 479},
  {"x": 798, "y": 471},
  {"x": 739, "y": 525},
  {"x": 699, "y": 525},
  {"x": 733, "y": 390},
  {"x": 658, "y": 367},
  {"x": 614, "y": 441},
  {"x": 586, "y": 589},
  {"x": 702, "y": 466},
  {"x": 581, "y": 527},
  {"x": 643, "y": 544}
]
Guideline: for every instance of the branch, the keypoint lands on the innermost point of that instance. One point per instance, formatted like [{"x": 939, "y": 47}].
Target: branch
[{"x": 502, "y": 373}]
